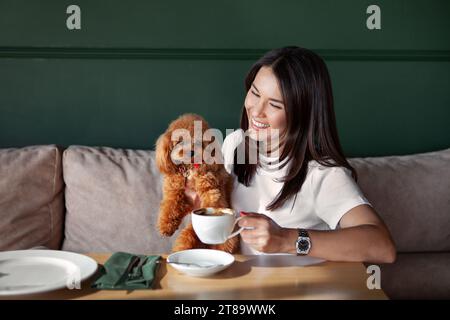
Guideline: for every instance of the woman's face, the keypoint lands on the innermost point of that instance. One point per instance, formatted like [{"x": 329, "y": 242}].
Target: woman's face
[{"x": 264, "y": 104}]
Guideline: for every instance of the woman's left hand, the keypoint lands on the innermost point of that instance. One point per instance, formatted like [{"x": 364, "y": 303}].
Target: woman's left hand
[{"x": 266, "y": 235}]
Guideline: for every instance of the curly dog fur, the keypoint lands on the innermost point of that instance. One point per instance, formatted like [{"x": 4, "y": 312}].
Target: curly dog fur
[{"x": 210, "y": 181}]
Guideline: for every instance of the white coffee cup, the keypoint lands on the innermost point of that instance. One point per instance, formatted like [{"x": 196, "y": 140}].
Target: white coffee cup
[{"x": 215, "y": 225}]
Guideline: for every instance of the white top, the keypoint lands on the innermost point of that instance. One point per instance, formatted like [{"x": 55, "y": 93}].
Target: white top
[{"x": 325, "y": 196}]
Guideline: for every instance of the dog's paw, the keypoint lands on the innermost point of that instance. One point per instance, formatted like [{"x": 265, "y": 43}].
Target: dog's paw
[
  {"x": 187, "y": 240},
  {"x": 167, "y": 228}
]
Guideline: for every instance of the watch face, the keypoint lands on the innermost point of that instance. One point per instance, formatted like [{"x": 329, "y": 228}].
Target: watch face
[{"x": 303, "y": 245}]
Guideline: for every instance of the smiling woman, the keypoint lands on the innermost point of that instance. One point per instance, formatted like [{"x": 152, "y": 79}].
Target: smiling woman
[
  {"x": 289, "y": 90},
  {"x": 264, "y": 106},
  {"x": 309, "y": 202}
]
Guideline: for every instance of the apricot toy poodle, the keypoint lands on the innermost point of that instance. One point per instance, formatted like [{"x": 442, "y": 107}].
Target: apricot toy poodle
[{"x": 180, "y": 159}]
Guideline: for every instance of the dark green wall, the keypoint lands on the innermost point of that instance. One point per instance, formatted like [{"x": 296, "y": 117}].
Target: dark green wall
[{"x": 136, "y": 65}]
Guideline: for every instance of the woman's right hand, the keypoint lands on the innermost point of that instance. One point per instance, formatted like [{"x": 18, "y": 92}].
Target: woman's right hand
[{"x": 192, "y": 196}]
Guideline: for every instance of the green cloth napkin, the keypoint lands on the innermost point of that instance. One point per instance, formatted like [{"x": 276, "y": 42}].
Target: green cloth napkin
[{"x": 126, "y": 271}]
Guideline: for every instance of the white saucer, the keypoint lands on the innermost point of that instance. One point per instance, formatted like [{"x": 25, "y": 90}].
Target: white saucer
[
  {"x": 35, "y": 271},
  {"x": 200, "y": 262}
]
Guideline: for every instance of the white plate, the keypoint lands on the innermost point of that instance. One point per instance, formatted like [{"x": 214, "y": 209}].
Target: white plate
[
  {"x": 34, "y": 271},
  {"x": 219, "y": 260}
]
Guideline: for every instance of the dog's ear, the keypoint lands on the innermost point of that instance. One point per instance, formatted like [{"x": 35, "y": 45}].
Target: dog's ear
[{"x": 163, "y": 150}]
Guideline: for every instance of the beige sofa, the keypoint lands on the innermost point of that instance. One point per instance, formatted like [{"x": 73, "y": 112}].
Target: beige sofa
[{"x": 87, "y": 199}]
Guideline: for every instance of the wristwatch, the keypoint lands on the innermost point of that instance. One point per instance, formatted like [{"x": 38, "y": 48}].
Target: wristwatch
[{"x": 303, "y": 243}]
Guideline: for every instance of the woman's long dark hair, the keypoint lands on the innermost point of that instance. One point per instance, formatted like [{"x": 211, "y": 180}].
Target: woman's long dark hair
[{"x": 311, "y": 132}]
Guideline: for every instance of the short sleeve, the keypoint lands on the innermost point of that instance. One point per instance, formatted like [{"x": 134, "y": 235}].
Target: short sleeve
[
  {"x": 230, "y": 144},
  {"x": 335, "y": 192}
]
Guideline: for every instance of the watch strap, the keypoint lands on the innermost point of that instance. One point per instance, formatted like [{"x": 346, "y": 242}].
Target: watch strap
[{"x": 303, "y": 233}]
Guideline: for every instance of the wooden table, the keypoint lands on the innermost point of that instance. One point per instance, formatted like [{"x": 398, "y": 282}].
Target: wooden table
[{"x": 249, "y": 278}]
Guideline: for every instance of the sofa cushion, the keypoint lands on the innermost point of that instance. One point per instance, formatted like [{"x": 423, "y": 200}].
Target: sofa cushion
[
  {"x": 31, "y": 198},
  {"x": 417, "y": 276},
  {"x": 412, "y": 195},
  {"x": 112, "y": 201}
]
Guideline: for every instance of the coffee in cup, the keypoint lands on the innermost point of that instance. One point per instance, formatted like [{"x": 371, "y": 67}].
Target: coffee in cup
[{"x": 215, "y": 225}]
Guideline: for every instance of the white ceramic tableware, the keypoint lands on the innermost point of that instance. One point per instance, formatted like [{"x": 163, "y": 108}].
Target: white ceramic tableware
[
  {"x": 200, "y": 262},
  {"x": 214, "y": 225},
  {"x": 35, "y": 271}
]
